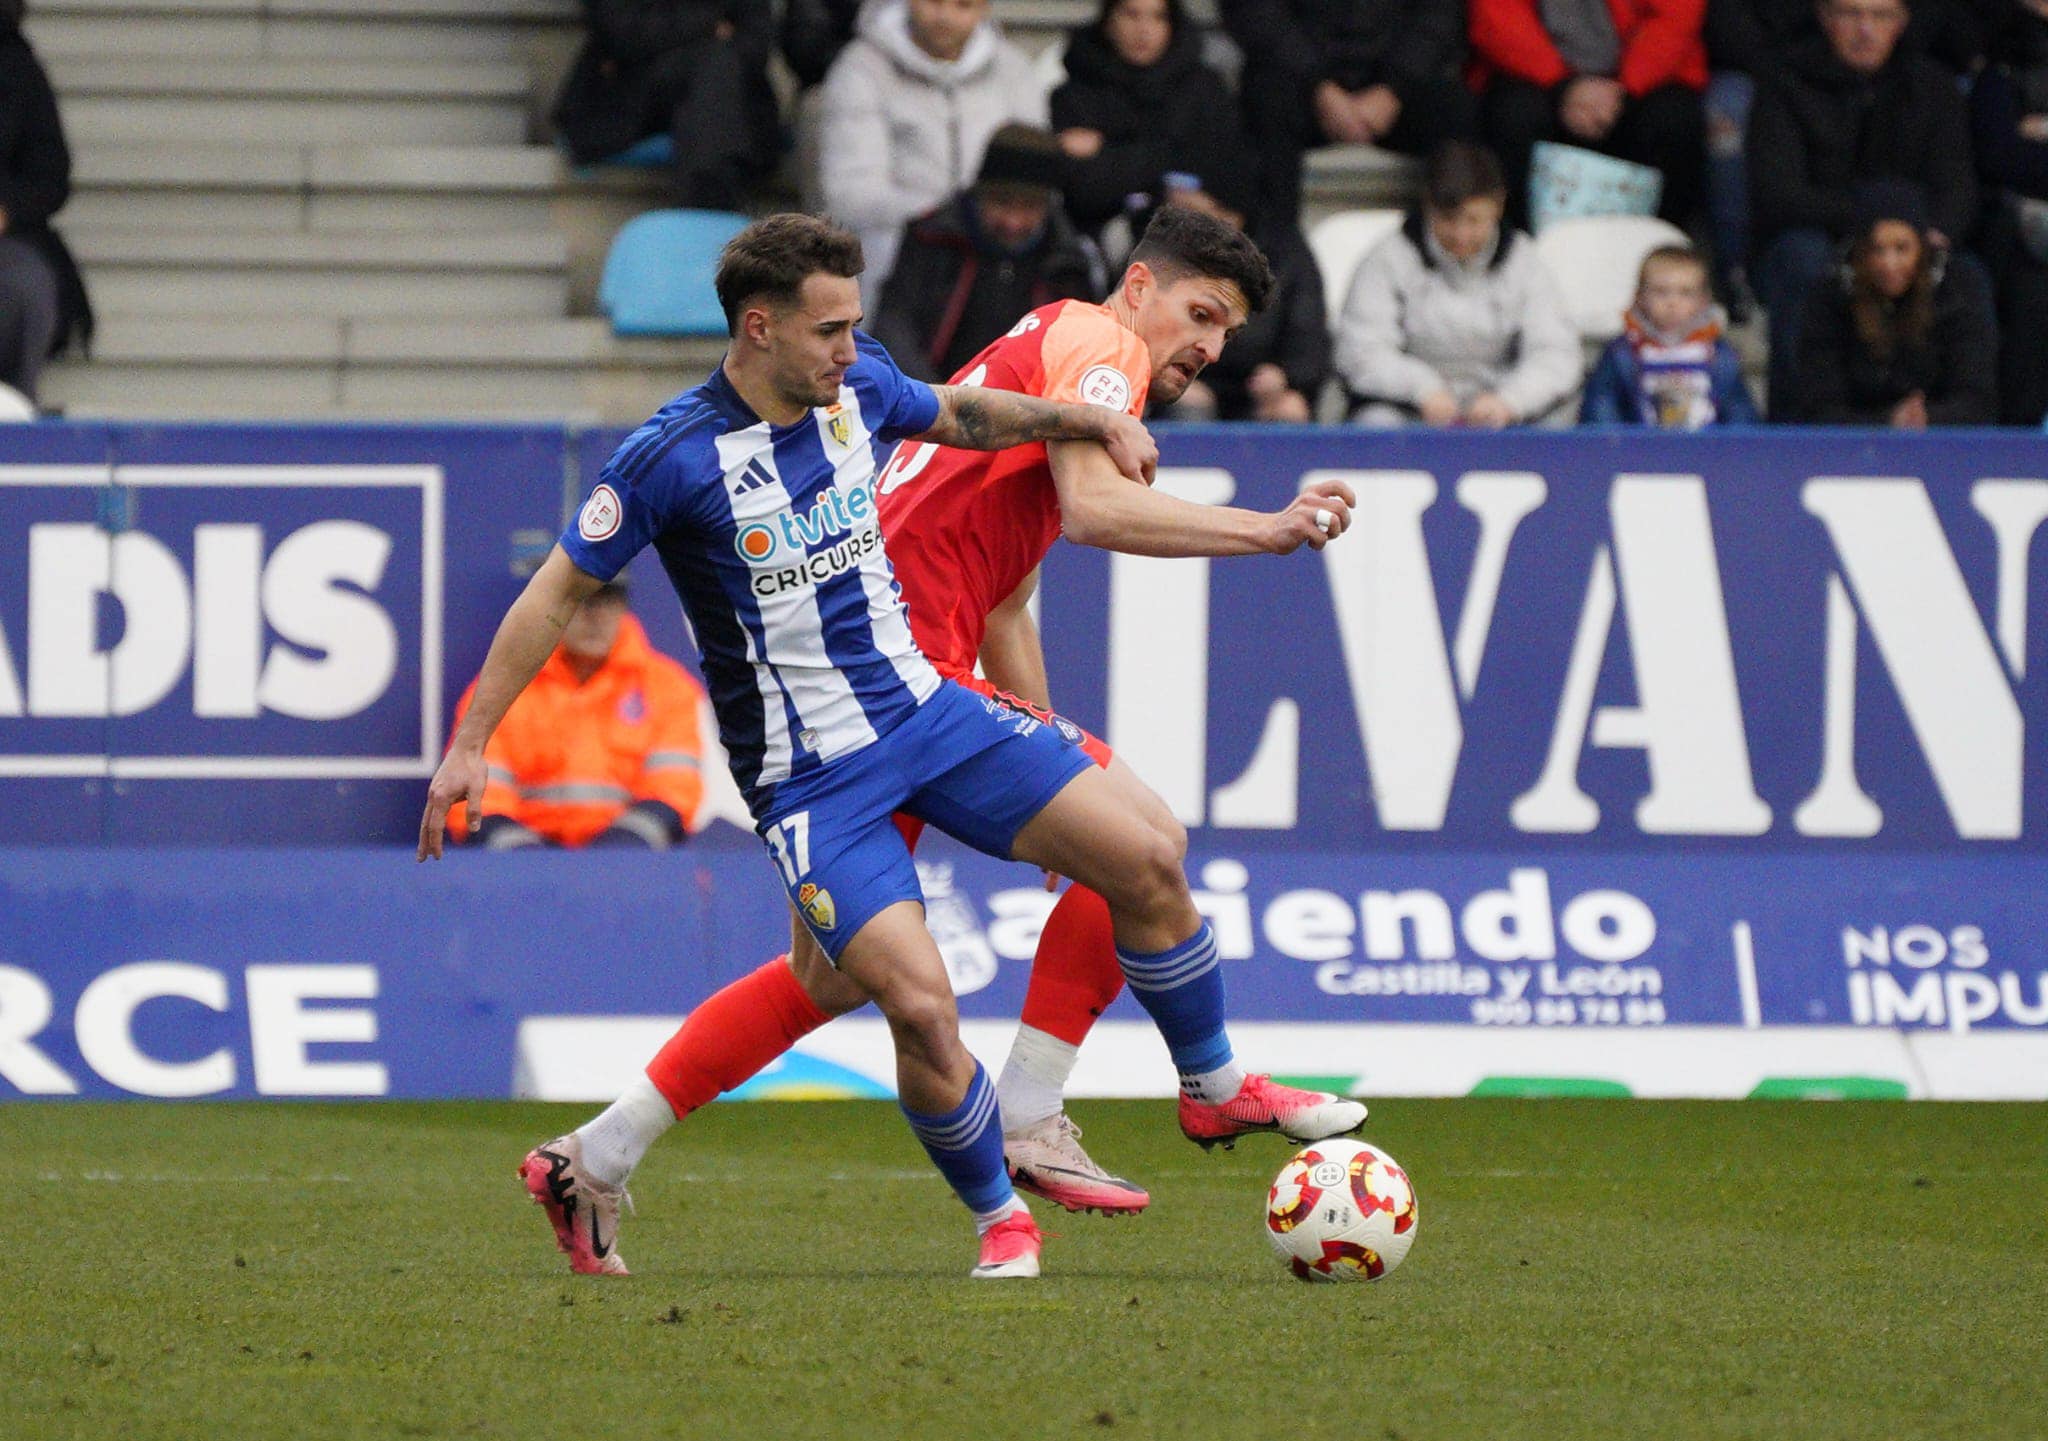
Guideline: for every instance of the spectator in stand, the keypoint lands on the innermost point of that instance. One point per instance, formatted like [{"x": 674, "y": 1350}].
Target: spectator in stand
[
  {"x": 1623, "y": 77},
  {"x": 1849, "y": 107},
  {"x": 1746, "y": 40},
  {"x": 42, "y": 299},
  {"x": 1904, "y": 337},
  {"x": 908, "y": 110},
  {"x": 696, "y": 70},
  {"x": 1669, "y": 367},
  {"x": 602, "y": 749},
  {"x": 1348, "y": 72},
  {"x": 1137, "y": 106},
  {"x": 1454, "y": 320},
  {"x": 813, "y": 34},
  {"x": 966, "y": 271},
  {"x": 1276, "y": 366},
  {"x": 2009, "y": 131}
]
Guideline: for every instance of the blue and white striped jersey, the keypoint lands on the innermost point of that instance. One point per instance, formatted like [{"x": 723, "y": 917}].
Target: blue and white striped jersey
[{"x": 770, "y": 537}]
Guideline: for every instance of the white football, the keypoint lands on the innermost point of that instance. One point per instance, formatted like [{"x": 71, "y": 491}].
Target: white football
[{"x": 1341, "y": 1211}]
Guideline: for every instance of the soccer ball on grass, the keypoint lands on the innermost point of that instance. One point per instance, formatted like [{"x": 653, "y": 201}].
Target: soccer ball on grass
[{"x": 1341, "y": 1211}]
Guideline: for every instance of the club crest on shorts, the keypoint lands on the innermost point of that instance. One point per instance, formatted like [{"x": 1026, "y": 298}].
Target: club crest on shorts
[
  {"x": 817, "y": 904},
  {"x": 601, "y": 514},
  {"x": 1069, "y": 732},
  {"x": 840, "y": 425}
]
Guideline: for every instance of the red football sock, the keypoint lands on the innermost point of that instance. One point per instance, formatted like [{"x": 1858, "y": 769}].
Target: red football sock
[
  {"x": 1075, "y": 975},
  {"x": 732, "y": 1035}
]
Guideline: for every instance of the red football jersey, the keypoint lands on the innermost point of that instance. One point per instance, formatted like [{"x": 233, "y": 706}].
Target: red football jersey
[{"x": 964, "y": 527}]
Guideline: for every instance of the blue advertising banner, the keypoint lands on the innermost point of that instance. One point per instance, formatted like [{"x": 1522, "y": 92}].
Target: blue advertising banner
[
  {"x": 212, "y": 634},
  {"x": 356, "y": 972},
  {"x": 1573, "y": 733}
]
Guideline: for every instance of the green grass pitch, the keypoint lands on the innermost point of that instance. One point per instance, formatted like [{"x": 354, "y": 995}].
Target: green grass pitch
[{"x": 1583, "y": 1269}]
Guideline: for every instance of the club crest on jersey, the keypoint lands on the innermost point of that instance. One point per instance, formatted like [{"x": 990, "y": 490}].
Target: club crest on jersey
[
  {"x": 817, "y": 904},
  {"x": 840, "y": 425},
  {"x": 1106, "y": 386},
  {"x": 601, "y": 515}
]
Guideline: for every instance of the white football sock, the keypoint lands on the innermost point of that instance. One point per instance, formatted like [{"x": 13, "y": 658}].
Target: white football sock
[
  {"x": 985, "y": 1221},
  {"x": 616, "y": 1139},
  {"x": 1033, "y": 1086},
  {"x": 1213, "y": 1088}
]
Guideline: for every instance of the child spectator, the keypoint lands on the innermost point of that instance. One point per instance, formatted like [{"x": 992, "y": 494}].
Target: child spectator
[
  {"x": 1137, "y": 106},
  {"x": 966, "y": 271},
  {"x": 1669, "y": 367},
  {"x": 1903, "y": 338},
  {"x": 1454, "y": 320},
  {"x": 908, "y": 109}
]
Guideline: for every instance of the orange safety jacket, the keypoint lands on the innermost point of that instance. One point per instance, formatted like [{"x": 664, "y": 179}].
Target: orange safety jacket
[{"x": 569, "y": 758}]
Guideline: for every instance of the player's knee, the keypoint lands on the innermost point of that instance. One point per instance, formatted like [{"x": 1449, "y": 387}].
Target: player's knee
[
  {"x": 923, "y": 1018},
  {"x": 1152, "y": 881}
]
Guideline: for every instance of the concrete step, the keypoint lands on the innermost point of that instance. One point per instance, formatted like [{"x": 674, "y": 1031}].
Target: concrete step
[
  {"x": 172, "y": 272},
  {"x": 1357, "y": 177},
  {"x": 327, "y": 187},
  {"x": 293, "y": 367},
  {"x": 271, "y": 102}
]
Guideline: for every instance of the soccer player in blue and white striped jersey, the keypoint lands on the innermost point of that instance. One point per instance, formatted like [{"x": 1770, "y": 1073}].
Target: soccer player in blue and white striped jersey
[{"x": 758, "y": 490}]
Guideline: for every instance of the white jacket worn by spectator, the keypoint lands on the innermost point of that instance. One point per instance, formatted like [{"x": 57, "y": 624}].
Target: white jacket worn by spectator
[
  {"x": 1418, "y": 321},
  {"x": 903, "y": 125}
]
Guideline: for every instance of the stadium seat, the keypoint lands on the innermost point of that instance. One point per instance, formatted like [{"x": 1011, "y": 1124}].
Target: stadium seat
[
  {"x": 14, "y": 406},
  {"x": 1340, "y": 241},
  {"x": 1050, "y": 66},
  {"x": 1595, "y": 259},
  {"x": 657, "y": 276}
]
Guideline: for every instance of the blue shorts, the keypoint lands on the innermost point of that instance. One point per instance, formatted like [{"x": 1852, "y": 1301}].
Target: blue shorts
[{"x": 974, "y": 767}]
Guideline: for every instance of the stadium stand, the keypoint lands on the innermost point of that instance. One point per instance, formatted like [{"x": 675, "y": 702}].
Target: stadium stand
[
  {"x": 1340, "y": 241},
  {"x": 332, "y": 209}
]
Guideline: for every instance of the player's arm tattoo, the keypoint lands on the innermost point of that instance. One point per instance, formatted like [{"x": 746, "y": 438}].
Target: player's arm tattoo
[{"x": 977, "y": 419}]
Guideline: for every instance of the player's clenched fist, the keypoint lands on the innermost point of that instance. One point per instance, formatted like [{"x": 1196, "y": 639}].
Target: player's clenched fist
[
  {"x": 1131, "y": 446},
  {"x": 1320, "y": 514}
]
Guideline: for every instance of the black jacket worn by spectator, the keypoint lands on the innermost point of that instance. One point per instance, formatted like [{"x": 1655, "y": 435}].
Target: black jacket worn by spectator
[
  {"x": 1823, "y": 128},
  {"x": 1292, "y": 332},
  {"x": 1176, "y": 114},
  {"x": 1840, "y": 380},
  {"x": 640, "y": 57},
  {"x": 1357, "y": 43},
  {"x": 950, "y": 293},
  {"x": 35, "y": 177},
  {"x": 813, "y": 34}
]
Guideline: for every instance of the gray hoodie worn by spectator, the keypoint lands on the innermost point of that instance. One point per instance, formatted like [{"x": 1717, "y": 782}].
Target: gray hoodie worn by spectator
[
  {"x": 900, "y": 131},
  {"x": 1416, "y": 321}
]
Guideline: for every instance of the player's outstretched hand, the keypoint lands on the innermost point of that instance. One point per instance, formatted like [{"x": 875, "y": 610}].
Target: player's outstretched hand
[
  {"x": 1320, "y": 514},
  {"x": 459, "y": 778},
  {"x": 1131, "y": 446}
]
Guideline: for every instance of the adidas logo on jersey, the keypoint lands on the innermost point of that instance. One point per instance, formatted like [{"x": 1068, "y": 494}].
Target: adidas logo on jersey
[{"x": 752, "y": 477}]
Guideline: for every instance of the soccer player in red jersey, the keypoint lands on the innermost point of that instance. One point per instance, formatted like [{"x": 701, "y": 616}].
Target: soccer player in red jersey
[{"x": 966, "y": 532}]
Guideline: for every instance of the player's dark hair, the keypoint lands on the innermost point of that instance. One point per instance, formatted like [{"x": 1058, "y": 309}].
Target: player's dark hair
[
  {"x": 771, "y": 259},
  {"x": 1181, "y": 242},
  {"x": 1459, "y": 171}
]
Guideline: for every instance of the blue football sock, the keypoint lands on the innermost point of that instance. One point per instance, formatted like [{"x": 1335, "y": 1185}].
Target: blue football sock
[
  {"x": 1182, "y": 990},
  {"x": 966, "y": 1144}
]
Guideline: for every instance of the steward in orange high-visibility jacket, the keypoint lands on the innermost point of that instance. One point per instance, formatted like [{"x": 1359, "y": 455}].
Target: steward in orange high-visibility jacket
[{"x": 603, "y": 748}]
